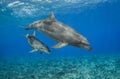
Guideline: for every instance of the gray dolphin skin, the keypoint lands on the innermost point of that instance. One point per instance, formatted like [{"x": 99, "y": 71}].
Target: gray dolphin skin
[
  {"x": 60, "y": 32},
  {"x": 37, "y": 44}
]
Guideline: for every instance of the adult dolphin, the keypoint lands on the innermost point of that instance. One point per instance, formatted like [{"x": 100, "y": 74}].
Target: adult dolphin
[{"x": 60, "y": 32}]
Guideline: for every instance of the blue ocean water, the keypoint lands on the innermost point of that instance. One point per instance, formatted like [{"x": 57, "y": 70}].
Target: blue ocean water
[{"x": 97, "y": 20}]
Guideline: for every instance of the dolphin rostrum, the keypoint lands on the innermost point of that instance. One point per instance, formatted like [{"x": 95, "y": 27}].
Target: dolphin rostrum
[
  {"x": 60, "y": 32},
  {"x": 37, "y": 44}
]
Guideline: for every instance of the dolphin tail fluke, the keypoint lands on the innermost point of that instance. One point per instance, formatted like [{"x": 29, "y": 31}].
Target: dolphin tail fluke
[
  {"x": 23, "y": 27},
  {"x": 60, "y": 45}
]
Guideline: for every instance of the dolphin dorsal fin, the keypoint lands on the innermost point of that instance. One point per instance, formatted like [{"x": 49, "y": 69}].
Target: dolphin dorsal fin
[
  {"x": 52, "y": 17},
  {"x": 34, "y": 33}
]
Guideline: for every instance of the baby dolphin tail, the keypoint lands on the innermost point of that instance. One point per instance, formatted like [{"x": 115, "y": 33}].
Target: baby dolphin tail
[{"x": 37, "y": 44}]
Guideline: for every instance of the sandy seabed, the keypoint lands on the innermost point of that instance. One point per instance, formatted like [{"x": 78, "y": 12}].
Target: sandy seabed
[{"x": 60, "y": 68}]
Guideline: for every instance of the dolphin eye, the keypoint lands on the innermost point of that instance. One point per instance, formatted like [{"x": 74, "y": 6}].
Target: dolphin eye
[{"x": 31, "y": 38}]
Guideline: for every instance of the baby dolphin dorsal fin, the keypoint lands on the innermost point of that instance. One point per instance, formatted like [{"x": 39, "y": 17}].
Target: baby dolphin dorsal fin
[
  {"x": 60, "y": 45},
  {"x": 34, "y": 33},
  {"x": 52, "y": 16}
]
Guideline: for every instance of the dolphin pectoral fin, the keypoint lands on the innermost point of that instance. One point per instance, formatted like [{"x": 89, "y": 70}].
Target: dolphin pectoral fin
[
  {"x": 34, "y": 33},
  {"x": 60, "y": 45},
  {"x": 34, "y": 50}
]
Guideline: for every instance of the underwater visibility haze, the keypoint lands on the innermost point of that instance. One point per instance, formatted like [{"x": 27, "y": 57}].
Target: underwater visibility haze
[{"x": 96, "y": 20}]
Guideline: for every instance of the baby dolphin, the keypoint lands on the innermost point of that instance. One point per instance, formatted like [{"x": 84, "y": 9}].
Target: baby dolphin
[
  {"x": 37, "y": 44},
  {"x": 60, "y": 32}
]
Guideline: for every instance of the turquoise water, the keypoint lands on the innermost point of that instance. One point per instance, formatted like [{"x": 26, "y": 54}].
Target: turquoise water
[{"x": 97, "y": 20}]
